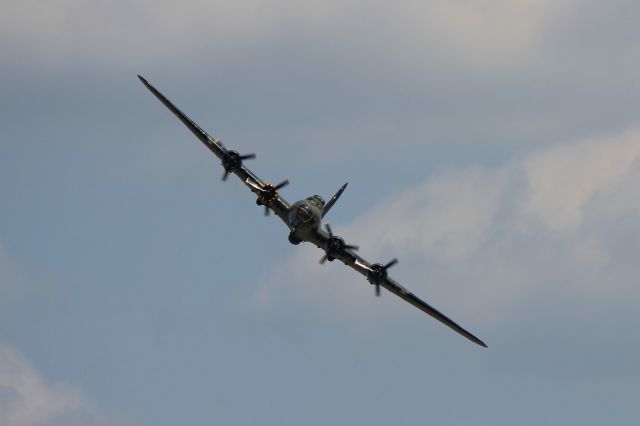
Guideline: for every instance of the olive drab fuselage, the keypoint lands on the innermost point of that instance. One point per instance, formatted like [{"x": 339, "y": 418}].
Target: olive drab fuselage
[{"x": 305, "y": 216}]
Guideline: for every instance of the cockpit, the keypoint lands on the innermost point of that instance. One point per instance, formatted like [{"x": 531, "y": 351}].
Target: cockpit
[
  {"x": 304, "y": 213},
  {"x": 317, "y": 200}
]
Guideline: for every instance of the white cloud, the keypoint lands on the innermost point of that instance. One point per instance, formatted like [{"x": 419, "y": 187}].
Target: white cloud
[
  {"x": 448, "y": 217},
  {"x": 25, "y": 397},
  {"x": 556, "y": 227},
  {"x": 562, "y": 180},
  {"x": 484, "y": 33},
  {"x": 27, "y": 400}
]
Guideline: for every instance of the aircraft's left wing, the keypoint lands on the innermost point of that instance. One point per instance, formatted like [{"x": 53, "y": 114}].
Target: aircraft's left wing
[
  {"x": 406, "y": 295},
  {"x": 353, "y": 260}
]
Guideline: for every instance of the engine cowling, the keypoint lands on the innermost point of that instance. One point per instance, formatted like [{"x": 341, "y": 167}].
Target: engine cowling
[
  {"x": 232, "y": 160},
  {"x": 377, "y": 274},
  {"x": 334, "y": 245}
]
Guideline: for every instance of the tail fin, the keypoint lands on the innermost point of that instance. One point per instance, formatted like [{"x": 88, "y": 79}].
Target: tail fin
[{"x": 333, "y": 200}]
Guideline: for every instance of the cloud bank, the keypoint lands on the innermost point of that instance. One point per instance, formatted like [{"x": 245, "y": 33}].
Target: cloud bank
[
  {"x": 27, "y": 400},
  {"x": 558, "y": 227},
  {"x": 486, "y": 34}
]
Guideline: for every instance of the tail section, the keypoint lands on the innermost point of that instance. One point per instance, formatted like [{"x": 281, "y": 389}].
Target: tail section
[{"x": 333, "y": 200}]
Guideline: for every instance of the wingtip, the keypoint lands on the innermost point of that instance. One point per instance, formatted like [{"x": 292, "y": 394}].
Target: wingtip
[
  {"x": 142, "y": 79},
  {"x": 480, "y": 342}
]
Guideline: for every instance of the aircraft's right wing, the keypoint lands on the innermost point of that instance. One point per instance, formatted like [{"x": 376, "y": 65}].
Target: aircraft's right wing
[
  {"x": 231, "y": 160},
  {"x": 213, "y": 144}
]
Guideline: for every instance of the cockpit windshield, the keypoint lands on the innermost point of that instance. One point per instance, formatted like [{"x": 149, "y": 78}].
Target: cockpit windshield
[
  {"x": 317, "y": 200},
  {"x": 304, "y": 214}
]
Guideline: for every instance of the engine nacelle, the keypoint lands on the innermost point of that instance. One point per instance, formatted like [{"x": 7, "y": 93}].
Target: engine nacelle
[
  {"x": 334, "y": 245},
  {"x": 231, "y": 161},
  {"x": 377, "y": 274}
]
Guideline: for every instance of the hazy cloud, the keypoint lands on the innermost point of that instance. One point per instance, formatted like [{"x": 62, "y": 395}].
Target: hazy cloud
[
  {"x": 556, "y": 222},
  {"x": 562, "y": 180},
  {"x": 483, "y": 34},
  {"x": 27, "y": 400}
]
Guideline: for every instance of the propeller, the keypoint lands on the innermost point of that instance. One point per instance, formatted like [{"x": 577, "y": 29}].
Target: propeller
[
  {"x": 334, "y": 245},
  {"x": 267, "y": 193},
  {"x": 378, "y": 273},
  {"x": 233, "y": 161}
]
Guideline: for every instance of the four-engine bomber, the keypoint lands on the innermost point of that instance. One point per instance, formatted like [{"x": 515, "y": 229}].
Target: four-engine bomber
[{"x": 304, "y": 219}]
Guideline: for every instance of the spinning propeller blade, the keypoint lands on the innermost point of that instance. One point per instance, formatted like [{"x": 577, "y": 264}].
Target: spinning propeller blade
[
  {"x": 390, "y": 264},
  {"x": 334, "y": 246},
  {"x": 326, "y": 225},
  {"x": 282, "y": 184},
  {"x": 384, "y": 269}
]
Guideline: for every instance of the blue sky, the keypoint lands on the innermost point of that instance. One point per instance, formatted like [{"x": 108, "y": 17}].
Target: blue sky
[{"x": 492, "y": 145}]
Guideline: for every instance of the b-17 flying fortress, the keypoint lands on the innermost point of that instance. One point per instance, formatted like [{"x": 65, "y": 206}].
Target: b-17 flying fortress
[{"x": 304, "y": 219}]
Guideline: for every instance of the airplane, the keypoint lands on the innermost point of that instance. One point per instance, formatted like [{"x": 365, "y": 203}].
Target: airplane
[{"x": 304, "y": 219}]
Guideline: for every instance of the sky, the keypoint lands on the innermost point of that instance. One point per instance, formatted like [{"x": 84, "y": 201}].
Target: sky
[{"x": 493, "y": 146}]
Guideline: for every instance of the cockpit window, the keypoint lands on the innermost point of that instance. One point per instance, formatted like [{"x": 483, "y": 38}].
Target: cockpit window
[
  {"x": 303, "y": 213},
  {"x": 317, "y": 200}
]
